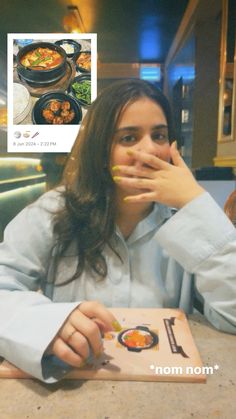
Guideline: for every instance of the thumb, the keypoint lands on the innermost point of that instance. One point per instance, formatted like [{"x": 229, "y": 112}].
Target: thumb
[{"x": 175, "y": 156}]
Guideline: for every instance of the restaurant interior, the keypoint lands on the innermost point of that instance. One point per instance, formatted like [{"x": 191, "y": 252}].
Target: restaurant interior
[{"x": 185, "y": 47}]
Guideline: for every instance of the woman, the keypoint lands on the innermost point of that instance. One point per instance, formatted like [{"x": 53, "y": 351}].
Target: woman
[{"x": 107, "y": 235}]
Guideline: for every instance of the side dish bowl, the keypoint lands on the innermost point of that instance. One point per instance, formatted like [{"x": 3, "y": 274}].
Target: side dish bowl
[
  {"x": 57, "y": 108},
  {"x": 83, "y": 61},
  {"x": 80, "y": 88},
  {"x": 70, "y": 46}
]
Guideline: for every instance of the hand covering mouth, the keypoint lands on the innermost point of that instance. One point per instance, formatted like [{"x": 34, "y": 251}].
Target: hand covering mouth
[{"x": 139, "y": 166}]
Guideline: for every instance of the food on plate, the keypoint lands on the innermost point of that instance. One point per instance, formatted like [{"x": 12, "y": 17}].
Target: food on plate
[
  {"x": 55, "y": 105},
  {"x": 69, "y": 49},
  {"x": 135, "y": 338},
  {"x": 48, "y": 115},
  {"x": 57, "y": 112},
  {"x": 68, "y": 118},
  {"x": 82, "y": 90},
  {"x": 84, "y": 61},
  {"x": 58, "y": 120},
  {"x": 65, "y": 106},
  {"x": 41, "y": 59}
]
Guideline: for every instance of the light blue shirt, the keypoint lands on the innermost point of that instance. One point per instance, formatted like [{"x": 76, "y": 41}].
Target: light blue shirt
[{"x": 165, "y": 262}]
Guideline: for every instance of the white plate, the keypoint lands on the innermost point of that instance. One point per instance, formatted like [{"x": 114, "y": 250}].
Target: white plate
[{"x": 21, "y": 103}]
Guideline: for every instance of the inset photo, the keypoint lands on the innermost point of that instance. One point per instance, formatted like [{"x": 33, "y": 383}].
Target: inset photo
[{"x": 52, "y": 82}]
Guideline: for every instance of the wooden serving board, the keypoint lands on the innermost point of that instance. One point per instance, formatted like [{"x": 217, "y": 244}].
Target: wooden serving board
[{"x": 174, "y": 358}]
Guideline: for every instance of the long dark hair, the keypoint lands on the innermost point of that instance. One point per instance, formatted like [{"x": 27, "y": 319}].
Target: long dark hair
[{"x": 88, "y": 216}]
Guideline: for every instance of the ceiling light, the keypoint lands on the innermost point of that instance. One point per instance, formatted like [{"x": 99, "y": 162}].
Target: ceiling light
[{"x": 73, "y": 22}]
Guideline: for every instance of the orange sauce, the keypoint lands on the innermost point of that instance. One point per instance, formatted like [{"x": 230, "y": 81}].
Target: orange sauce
[
  {"x": 135, "y": 338},
  {"x": 41, "y": 59}
]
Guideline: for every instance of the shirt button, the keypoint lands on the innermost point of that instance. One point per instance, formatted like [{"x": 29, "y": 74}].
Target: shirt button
[{"x": 115, "y": 277}]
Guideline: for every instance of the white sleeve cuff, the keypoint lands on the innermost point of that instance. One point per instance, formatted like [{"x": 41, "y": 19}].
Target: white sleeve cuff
[
  {"x": 27, "y": 336},
  {"x": 196, "y": 231}
]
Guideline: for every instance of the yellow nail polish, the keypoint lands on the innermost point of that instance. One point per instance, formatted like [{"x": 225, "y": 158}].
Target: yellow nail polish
[
  {"x": 116, "y": 326},
  {"x": 83, "y": 363},
  {"x": 130, "y": 152},
  {"x": 98, "y": 354},
  {"x": 126, "y": 199},
  {"x": 116, "y": 178},
  {"x": 115, "y": 168}
]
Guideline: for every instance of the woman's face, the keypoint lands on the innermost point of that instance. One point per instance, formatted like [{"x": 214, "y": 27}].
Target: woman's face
[{"x": 142, "y": 126}]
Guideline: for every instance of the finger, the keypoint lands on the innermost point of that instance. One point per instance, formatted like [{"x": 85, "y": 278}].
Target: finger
[
  {"x": 175, "y": 156},
  {"x": 95, "y": 310},
  {"x": 66, "y": 331},
  {"x": 149, "y": 159},
  {"x": 137, "y": 183},
  {"x": 89, "y": 329},
  {"x": 144, "y": 197},
  {"x": 79, "y": 344},
  {"x": 133, "y": 171},
  {"x": 66, "y": 354}
]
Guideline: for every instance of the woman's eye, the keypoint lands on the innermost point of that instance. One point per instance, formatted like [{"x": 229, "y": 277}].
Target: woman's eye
[
  {"x": 160, "y": 136},
  {"x": 127, "y": 139}
]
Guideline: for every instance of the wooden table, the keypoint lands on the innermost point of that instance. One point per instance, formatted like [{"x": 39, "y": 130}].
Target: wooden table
[{"x": 72, "y": 399}]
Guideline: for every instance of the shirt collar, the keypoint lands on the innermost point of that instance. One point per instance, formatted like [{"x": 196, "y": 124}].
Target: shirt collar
[{"x": 159, "y": 214}]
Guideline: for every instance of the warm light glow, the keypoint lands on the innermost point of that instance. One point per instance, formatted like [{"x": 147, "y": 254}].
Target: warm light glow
[
  {"x": 14, "y": 193},
  {"x": 70, "y": 23},
  {"x": 73, "y": 22},
  {"x": 87, "y": 13},
  {"x": 3, "y": 116},
  {"x": 76, "y": 31},
  {"x": 6, "y": 161}
]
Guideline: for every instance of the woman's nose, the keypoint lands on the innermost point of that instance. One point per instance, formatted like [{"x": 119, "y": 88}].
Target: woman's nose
[{"x": 147, "y": 145}]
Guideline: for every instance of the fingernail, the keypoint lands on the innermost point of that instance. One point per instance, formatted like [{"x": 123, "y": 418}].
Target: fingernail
[
  {"x": 98, "y": 354},
  {"x": 116, "y": 178},
  {"x": 115, "y": 168},
  {"x": 175, "y": 144},
  {"x": 83, "y": 363},
  {"x": 116, "y": 326},
  {"x": 126, "y": 199},
  {"x": 130, "y": 152}
]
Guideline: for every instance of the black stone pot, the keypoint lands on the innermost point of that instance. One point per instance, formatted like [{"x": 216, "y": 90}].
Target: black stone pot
[
  {"x": 41, "y": 77},
  {"x": 42, "y": 103}
]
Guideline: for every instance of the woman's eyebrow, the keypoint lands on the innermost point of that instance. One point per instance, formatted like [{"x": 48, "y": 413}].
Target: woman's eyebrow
[
  {"x": 127, "y": 129},
  {"x": 160, "y": 126},
  {"x": 132, "y": 128}
]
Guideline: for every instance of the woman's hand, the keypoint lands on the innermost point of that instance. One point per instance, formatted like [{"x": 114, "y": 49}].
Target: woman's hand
[
  {"x": 82, "y": 333},
  {"x": 170, "y": 184}
]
